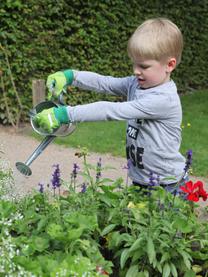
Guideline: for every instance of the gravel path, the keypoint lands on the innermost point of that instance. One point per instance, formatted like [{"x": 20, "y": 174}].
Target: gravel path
[{"x": 18, "y": 147}]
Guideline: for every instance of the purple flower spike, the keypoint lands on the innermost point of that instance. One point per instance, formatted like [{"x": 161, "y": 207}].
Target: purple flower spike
[
  {"x": 189, "y": 155},
  {"x": 41, "y": 189},
  {"x": 56, "y": 180},
  {"x": 84, "y": 188},
  {"x": 75, "y": 171},
  {"x": 98, "y": 170},
  {"x": 152, "y": 180}
]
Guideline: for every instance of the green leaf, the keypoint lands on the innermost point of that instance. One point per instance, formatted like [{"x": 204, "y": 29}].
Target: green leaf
[
  {"x": 108, "y": 229},
  {"x": 136, "y": 244},
  {"x": 165, "y": 257},
  {"x": 132, "y": 271},
  {"x": 151, "y": 250},
  {"x": 166, "y": 270},
  {"x": 106, "y": 200},
  {"x": 74, "y": 234},
  {"x": 183, "y": 225},
  {"x": 42, "y": 223},
  {"x": 40, "y": 243},
  {"x": 186, "y": 258},
  {"x": 173, "y": 270},
  {"x": 55, "y": 231},
  {"x": 124, "y": 257}
]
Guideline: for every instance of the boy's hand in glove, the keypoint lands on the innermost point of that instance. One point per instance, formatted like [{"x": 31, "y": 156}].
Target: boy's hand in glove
[
  {"x": 51, "y": 119},
  {"x": 58, "y": 82}
]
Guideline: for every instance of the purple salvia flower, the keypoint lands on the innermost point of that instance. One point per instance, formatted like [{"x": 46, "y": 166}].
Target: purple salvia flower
[
  {"x": 41, "y": 189},
  {"x": 84, "y": 188},
  {"x": 74, "y": 171},
  {"x": 56, "y": 180},
  {"x": 98, "y": 170},
  {"x": 189, "y": 155},
  {"x": 152, "y": 180}
]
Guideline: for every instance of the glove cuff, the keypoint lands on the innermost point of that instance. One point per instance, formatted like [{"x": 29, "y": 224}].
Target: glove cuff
[
  {"x": 69, "y": 75},
  {"x": 61, "y": 114}
]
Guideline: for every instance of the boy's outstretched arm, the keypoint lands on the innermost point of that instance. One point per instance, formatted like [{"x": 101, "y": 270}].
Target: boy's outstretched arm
[
  {"x": 88, "y": 80},
  {"x": 58, "y": 82}
]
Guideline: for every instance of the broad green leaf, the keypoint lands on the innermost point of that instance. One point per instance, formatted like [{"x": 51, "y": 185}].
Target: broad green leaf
[
  {"x": 40, "y": 243},
  {"x": 108, "y": 229},
  {"x": 186, "y": 258},
  {"x": 173, "y": 270},
  {"x": 124, "y": 257},
  {"x": 183, "y": 225},
  {"x": 166, "y": 270},
  {"x": 74, "y": 234},
  {"x": 124, "y": 237},
  {"x": 55, "y": 231},
  {"x": 136, "y": 244},
  {"x": 159, "y": 266},
  {"x": 106, "y": 200},
  {"x": 151, "y": 250}
]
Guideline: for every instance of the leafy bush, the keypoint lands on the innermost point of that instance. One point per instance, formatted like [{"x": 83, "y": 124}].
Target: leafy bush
[
  {"x": 40, "y": 37},
  {"x": 103, "y": 228}
]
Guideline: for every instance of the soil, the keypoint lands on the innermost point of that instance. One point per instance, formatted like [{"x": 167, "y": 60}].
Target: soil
[{"x": 18, "y": 146}]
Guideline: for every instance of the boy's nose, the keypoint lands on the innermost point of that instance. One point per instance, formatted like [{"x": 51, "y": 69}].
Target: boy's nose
[{"x": 137, "y": 71}]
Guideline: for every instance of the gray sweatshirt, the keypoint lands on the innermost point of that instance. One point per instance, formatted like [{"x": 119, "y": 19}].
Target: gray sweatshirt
[{"x": 153, "y": 116}]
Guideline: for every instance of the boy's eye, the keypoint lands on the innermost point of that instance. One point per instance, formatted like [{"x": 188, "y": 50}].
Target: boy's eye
[{"x": 142, "y": 66}]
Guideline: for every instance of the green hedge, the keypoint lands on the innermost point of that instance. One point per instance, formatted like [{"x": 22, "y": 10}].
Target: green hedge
[{"x": 43, "y": 36}]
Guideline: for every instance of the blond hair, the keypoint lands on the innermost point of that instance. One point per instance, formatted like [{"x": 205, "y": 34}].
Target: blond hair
[{"x": 158, "y": 39}]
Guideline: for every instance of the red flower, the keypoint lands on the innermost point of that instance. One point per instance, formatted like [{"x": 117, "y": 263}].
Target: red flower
[{"x": 194, "y": 191}]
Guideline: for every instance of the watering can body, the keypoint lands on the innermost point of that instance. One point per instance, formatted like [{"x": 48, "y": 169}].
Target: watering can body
[{"x": 63, "y": 130}]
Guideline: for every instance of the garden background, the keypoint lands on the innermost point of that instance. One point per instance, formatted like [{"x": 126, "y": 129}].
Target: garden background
[
  {"x": 100, "y": 227},
  {"x": 39, "y": 37}
]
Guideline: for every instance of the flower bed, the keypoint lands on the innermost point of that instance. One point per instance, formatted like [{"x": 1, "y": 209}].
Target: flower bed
[{"x": 102, "y": 228}]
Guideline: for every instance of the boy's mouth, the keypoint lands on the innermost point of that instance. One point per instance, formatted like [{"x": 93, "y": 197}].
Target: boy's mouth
[{"x": 141, "y": 81}]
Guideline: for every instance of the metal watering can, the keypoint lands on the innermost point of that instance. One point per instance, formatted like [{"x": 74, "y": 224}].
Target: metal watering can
[{"x": 63, "y": 130}]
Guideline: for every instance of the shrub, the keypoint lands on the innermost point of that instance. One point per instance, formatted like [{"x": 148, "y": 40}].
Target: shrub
[{"x": 41, "y": 37}]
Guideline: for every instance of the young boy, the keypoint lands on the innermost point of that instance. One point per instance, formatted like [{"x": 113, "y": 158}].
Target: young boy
[{"x": 152, "y": 111}]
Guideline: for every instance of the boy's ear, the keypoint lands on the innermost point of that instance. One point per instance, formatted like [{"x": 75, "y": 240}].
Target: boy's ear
[{"x": 171, "y": 65}]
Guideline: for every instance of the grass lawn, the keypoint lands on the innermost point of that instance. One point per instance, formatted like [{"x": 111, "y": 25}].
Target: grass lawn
[{"x": 109, "y": 137}]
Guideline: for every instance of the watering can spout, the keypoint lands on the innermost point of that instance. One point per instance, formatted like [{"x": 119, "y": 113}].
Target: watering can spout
[{"x": 24, "y": 167}]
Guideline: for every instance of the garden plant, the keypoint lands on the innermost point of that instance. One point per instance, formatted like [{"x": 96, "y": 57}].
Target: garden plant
[{"x": 101, "y": 227}]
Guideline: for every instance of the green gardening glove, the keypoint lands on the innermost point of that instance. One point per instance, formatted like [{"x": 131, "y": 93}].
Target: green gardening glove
[
  {"x": 51, "y": 119},
  {"x": 58, "y": 82}
]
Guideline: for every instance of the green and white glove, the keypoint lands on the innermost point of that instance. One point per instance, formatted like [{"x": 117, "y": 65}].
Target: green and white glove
[
  {"x": 51, "y": 119},
  {"x": 58, "y": 82}
]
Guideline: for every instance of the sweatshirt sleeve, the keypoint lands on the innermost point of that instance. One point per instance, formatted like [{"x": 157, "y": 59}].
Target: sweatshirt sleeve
[
  {"x": 147, "y": 108},
  {"x": 104, "y": 84}
]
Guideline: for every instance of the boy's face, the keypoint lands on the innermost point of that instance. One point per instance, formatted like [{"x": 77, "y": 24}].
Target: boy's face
[{"x": 151, "y": 73}]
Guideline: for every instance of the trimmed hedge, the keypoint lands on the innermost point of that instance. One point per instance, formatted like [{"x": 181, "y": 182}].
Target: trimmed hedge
[{"x": 43, "y": 36}]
